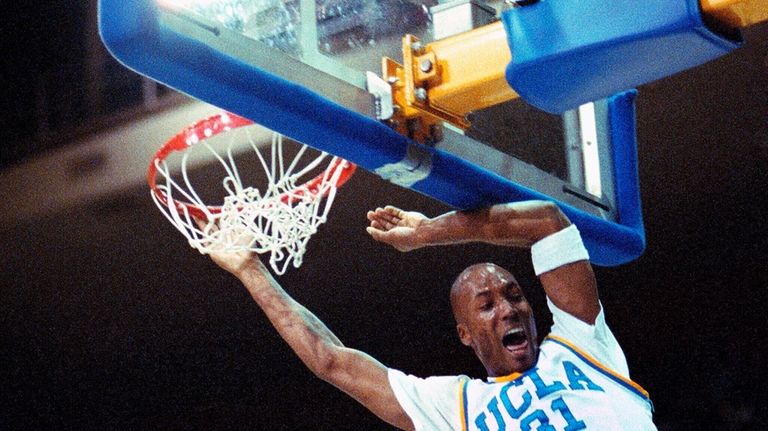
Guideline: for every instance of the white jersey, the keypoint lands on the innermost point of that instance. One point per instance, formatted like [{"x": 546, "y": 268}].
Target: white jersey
[{"x": 580, "y": 382}]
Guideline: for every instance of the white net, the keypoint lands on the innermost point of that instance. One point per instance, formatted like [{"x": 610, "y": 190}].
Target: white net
[{"x": 278, "y": 218}]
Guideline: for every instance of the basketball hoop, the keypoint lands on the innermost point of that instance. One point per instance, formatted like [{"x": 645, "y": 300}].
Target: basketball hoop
[{"x": 278, "y": 218}]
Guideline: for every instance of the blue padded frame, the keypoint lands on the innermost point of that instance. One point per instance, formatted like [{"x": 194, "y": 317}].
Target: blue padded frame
[
  {"x": 570, "y": 52},
  {"x": 130, "y": 31}
]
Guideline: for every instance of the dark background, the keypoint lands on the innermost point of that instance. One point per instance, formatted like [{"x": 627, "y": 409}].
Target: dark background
[{"x": 109, "y": 320}]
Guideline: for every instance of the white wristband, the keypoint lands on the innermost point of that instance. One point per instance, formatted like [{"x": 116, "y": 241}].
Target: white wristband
[{"x": 558, "y": 249}]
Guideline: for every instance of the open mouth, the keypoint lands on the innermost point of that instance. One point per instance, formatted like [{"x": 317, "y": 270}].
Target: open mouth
[{"x": 515, "y": 339}]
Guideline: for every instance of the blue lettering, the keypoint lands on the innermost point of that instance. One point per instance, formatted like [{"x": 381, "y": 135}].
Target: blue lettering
[
  {"x": 542, "y": 389},
  {"x": 538, "y": 415},
  {"x": 480, "y": 422},
  {"x": 572, "y": 424},
  {"x": 577, "y": 380},
  {"x": 493, "y": 406},
  {"x": 513, "y": 411},
  {"x": 575, "y": 375}
]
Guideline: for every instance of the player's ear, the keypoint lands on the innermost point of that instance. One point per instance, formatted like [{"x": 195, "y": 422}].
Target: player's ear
[{"x": 464, "y": 336}]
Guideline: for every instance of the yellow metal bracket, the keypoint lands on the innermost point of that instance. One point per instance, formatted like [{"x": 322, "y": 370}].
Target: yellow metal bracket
[
  {"x": 447, "y": 79},
  {"x": 736, "y": 13}
]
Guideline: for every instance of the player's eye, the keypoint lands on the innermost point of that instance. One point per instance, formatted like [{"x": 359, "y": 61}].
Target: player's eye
[{"x": 513, "y": 294}]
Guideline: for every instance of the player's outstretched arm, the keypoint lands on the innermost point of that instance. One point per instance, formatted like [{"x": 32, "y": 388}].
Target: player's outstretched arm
[
  {"x": 571, "y": 287},
  {"x": 352, "y": 371}
]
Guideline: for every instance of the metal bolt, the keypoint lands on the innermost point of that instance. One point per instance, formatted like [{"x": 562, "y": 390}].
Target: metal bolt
[
  {"x": 420, "y": 94},
  {"x": 417, "y": 47},
  {"x": 393, "y": 79},
  {"x": 425, "y": 65}
]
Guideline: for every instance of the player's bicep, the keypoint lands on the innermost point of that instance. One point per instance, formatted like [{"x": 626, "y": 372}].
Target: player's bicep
[
  {"x": 573, "y": 289},
  {"x": 365, "y": 379}
]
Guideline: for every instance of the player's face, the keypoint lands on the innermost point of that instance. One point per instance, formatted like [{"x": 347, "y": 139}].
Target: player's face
[{"x": 496, "y": 320}]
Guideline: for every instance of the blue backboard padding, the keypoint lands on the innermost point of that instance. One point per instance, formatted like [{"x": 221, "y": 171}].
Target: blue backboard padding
[
  {"x": 194, "y": 68},
  {"x": 569, "y": 52},
  {"x": 609, "y": 243}
]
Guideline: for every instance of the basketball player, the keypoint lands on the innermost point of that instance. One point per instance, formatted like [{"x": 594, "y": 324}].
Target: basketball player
[{"x": 576, "y": 379}]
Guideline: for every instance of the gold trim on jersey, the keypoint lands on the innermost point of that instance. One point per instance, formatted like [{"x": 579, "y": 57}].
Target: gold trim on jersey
[
  {"x": 598, "y": 365},
  {"x": 504, "y": 379},
  {"x": 463, "y": 403}
]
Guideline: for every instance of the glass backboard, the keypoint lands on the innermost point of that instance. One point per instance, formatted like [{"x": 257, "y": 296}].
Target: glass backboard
[{"x": 300, "y": 67}]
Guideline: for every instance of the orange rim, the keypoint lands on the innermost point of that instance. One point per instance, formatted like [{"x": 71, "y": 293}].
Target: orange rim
[{"x": 221, "y": 123}]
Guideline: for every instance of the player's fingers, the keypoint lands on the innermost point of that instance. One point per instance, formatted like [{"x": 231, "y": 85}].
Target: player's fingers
[
  {"x": 391, "y": 215},
  {"x": 374, "y": 233},
  {"x": 375, "y": 214},
  {"x": 394, "y": 212},
  {"x": 384, "y": 225},
  {"x": 375, "y": 218},
  {"x": 384, "y": 217}
]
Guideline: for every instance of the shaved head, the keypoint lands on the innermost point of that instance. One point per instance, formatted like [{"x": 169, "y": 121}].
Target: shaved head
[{"x": 475, "y": 275}]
